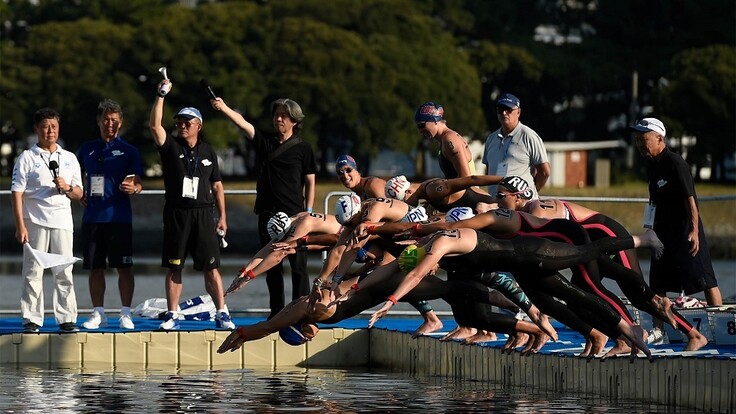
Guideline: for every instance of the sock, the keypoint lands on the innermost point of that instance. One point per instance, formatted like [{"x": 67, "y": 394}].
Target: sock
[
  {"x": 100, "y": 309},
  {"x": 125, "y": 310}
]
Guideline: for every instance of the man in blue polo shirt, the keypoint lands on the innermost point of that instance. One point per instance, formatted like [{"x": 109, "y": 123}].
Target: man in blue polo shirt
[{"x": 112, "y": 170}]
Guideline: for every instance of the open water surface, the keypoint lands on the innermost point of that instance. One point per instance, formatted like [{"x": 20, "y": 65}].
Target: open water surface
[{"x": 38, "y": 390}]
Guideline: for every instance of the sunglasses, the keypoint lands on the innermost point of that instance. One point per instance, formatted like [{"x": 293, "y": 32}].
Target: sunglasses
[
  {"x": 501, "y": 195},
  {"x": 186, "y": 125},
  {"x": 421, "y": 125},
  {"x": 503, "y": 110},
  {"x": 345, "y": 171}
]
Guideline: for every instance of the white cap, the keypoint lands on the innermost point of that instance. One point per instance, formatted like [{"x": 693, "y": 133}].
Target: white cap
[
  {"x": 415, "y": 215},
  {"x": 278, "y": 225},
  {"x": 649, "y": 124},
  {"x": 396, "y": 187},
  {"x": 459, "y": 213},
  {"x": 190, "y": 113},
  {"x": 346, "y": 207}
]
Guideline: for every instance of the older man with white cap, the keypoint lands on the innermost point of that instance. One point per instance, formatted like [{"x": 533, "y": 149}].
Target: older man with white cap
[
  {"x": 673, "y": 208},
  {"x": 193, "y": 187}
]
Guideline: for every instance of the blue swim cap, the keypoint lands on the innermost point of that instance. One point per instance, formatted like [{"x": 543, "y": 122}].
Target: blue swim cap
[
  {"x": 429, "y": 112},
  {"x": 293, "y": 335},
  {"x": 345, "y": 160}
]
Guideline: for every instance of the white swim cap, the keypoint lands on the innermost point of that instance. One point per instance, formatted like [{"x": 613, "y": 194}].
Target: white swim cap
[
  {"x": 415, "y": 215},
  {"x": 278, "y": 225},
  {"x": 459, "y": 213},
  {"x": 396, "y": 187},
  {"x": 346, "y": 207}
]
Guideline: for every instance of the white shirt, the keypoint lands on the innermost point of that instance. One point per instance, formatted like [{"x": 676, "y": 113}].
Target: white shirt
[
  {"x": 514, "y": 154},
  {"x": 42, "y": 203}
]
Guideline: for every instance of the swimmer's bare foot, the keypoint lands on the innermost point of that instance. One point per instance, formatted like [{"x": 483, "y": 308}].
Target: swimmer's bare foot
[
  {"x": 431, "y": 324},
  {"x": 695, "y": 340},
  {"x": 535, "y": 343},
  {"x": 461, "y": 332},
  {"x": 520, "y": 339},
  {"x": 620, "y": 347},
  {"x": 663, "y": 305},
  {"x": 597, "y": 342},
  {"x": 649, "y": 239},
  {"x": 635, "y": 335},
  {"x": 586, "y": 348},
  {"x": 481, "y": 336}
]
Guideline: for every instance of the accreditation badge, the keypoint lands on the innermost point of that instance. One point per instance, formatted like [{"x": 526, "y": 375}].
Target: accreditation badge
[{"x": 189, "y": 187}]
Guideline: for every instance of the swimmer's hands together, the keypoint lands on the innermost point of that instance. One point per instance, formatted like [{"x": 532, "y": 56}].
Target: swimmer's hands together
[
  {"x": 240, "y": 280},
  {"x": 289, "y": 247},
  {"x": 233, "y": 342}
]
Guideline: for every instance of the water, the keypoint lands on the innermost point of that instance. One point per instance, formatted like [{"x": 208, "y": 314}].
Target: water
[
  {"x": 149, "y": 281},
  {"x": 36, "y": 390}
]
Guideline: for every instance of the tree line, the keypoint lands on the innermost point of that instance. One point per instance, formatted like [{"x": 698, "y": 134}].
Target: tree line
[{"x": 360, "y": 68}]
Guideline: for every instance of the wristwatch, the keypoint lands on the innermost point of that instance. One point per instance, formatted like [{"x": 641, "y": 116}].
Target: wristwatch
[{"x": 69, "y": 190}]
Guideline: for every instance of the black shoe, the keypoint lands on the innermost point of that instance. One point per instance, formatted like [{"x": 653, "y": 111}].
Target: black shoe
[
  {"x": 68, "y": 327},
  {"x": 30, "y": 327}
]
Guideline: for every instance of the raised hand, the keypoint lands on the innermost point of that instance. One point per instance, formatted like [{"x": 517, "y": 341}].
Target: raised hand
[
  {"x": 240, "y": 280},
  {"x": 233, "y": 342}
]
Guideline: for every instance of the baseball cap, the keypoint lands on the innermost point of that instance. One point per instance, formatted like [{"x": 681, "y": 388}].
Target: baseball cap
[
  {"x": 189, "y": 113},
  {"x": 508, "y": 100},
  {"x": 345, "y": 160},
  {"x": 649, "y": 124},
  {"x": 517, "y": 185},
  {"x": 429, "y": 112}
]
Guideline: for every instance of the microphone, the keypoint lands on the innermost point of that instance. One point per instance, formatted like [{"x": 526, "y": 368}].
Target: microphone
[
  {"x": 206, "y": 85},
  {"x": 54, "y": 167}
]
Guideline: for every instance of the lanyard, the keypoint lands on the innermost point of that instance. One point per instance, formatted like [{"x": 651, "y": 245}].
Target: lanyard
[
  {"x": 511, "y": 141},
  {"x": 191, "y": 162}
]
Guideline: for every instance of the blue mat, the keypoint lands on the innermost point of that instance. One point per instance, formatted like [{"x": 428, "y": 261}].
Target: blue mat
[{"x": 570, "y": 343}]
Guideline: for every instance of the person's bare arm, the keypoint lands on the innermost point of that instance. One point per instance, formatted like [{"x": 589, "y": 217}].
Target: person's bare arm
[
  {"x": 154, "y": 121},
  {"x": 309, "y": 186},
  {"x": 235, "y": 117},
  {"x": 541, "y": 175},
  {"x": 291, "y": 314},
  {"x": 454, "y": 149},
  {"x": 218, "y": 191},
  {"x": 693, "y": 236},
  {"x": 21, "y": 233}
]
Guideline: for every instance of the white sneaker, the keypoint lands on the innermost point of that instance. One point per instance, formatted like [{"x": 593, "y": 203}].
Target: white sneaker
[
  {"x": 126, "y": 322},
  {"x": 170, "y": 323},
  {"x": 656, "y": 337},
  {"x": 97, "y": 320},
  {"x": 223, "y": 321}
]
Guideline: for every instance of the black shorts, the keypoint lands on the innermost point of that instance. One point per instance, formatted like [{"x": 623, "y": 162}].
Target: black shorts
[
  {"x": 107, "y": 244},
  {"x": 190, "y": 231},
  {"x": 677, "y": 270}
]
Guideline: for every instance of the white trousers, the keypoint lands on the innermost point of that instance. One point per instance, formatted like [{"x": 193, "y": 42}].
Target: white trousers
[{"x": 65, "y": 301}]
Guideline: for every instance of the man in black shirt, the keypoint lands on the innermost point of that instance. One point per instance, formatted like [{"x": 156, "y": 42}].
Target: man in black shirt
[
  {"x": 193, "y": 188},
  {"x": 286, "y": 183},
  {"x": 685, "y": 265}
]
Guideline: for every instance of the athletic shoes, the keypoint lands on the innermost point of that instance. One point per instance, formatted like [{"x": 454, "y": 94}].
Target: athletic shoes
[
  {"x": 126, "y": 322},
  {"x": 97, "y": 320},
  {"x": 30, "y": 327},
  {"x": 223, "y": 321},
  {"x": 170, "y": 323},
  {"x": 68, "y": 327},
  {"x": 656, "y": 337},
  {"x": 687, "y": 302}
]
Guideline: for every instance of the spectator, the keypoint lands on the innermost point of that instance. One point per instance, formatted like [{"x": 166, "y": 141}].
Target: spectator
[
  {"x": 193, "y": 187},
  {"x": 45, "y": 180},
  {"x": 685, "y": 265},
  {"x": 455, "y": 158},
  {"x": 112, "y": 170},
  {"x": 285, "y": 183},
  {"x": 515, "y": 149}
]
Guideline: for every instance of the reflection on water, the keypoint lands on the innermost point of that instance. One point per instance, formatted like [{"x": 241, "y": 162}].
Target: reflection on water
[{"x": 30, "y": 389}]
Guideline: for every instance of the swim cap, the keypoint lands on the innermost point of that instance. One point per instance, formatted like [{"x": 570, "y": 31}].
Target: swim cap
[
  {"x": 346, "y": 207},
  {"x": 396, "y": 187},
  {"x": 345, "y": 160},
  {"x": 415, "y": 215},
  {"x": 429, "y": 112},
  {"x": 517, "y": 185},
  {"x": 410, "y": 256},
  {"x": 459, "y": 213},
  {"x": 278, "y": 225},
  {"x": 293, "y": 335}
]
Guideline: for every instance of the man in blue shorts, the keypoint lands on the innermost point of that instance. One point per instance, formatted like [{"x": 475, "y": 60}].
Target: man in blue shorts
[{"x": 112, "y": 170}]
